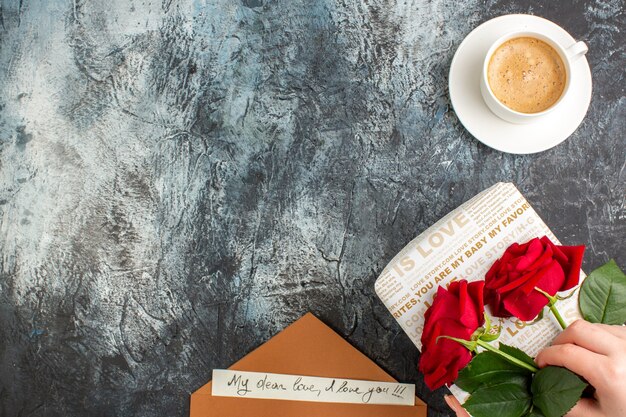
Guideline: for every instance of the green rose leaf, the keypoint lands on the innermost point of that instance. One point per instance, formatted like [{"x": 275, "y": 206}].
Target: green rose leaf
[
  {"x": 518, "y": 354},
  {"x": 506, "y": 399},
  {"x": 488, "y": 367},
  {"x": 556, "y": 390},
  {"x": 602, "y": 296}
]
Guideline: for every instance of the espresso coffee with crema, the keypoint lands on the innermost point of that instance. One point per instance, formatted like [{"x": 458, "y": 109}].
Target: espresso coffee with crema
[{"x": 526, "y": 74}]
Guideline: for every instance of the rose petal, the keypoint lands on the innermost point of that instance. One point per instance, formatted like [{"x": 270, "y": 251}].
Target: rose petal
[
  {"x": 572, "y": 271},
  {"x": 533, "y": 252},
  {"x": 527, "y": 304},
  {"x": 455, "y": 312},
  {"x": 549, "y": 279},
  {"x": 546, "y": 257}
]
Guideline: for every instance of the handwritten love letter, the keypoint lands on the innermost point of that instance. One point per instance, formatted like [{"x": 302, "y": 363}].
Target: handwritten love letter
[{"x": 228, "y": 383}]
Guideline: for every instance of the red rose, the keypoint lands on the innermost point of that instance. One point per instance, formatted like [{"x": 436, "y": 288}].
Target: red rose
[
  {"x": 457, "y": 312},
  {"x": 511, "y": 281}
]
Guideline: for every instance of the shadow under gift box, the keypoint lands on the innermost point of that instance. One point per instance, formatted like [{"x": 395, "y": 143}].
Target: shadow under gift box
[{"x": 307, "y": 347}]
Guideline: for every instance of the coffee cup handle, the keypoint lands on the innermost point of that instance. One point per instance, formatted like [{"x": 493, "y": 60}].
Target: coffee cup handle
[{"x": 577, "y": 50}]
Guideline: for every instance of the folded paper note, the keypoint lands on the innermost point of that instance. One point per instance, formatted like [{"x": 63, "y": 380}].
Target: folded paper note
[
  {"x": 463, "y": 245},
  {"x": 227, "y": 383},
  {"x": 307, "y": 347}
]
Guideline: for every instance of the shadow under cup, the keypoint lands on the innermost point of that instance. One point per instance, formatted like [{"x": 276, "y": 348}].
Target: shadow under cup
[{"x": 500, "y": 109}]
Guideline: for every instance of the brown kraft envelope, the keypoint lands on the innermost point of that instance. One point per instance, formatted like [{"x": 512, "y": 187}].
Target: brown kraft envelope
[{"x": 307, "y": 347}]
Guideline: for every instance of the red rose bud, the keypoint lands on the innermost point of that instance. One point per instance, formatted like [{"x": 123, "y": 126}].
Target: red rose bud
[
  {"x": 511, "y": 281},
  {"x": 456, "y": 312}
]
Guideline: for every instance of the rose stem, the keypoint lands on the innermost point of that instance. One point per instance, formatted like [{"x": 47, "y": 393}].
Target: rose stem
[
  {"x": 552, "y": 305},
  {"x": 506, "y": 356},
  {"x": 558, "y": 317}
]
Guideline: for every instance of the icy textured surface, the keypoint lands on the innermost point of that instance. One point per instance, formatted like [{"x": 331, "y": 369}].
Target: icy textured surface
[{"x": 180, "y": 180}]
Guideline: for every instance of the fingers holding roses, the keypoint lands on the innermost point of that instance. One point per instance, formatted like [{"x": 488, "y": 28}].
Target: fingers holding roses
[
  {"x": 598, "y": 338},
  {"x": 598, "y": 353}
]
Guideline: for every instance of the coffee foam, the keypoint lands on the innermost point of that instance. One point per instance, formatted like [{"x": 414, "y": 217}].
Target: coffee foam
[{"x": 526, "y": 74}]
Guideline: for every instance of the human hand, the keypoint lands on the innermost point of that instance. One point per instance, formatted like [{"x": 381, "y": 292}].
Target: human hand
[{"x": 597, "y": 352}]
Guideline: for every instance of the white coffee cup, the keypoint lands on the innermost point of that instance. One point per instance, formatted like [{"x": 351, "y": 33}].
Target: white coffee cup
[{"x": 568, "y": 55}]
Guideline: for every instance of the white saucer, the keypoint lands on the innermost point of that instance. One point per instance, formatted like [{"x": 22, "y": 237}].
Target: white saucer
[{"x": 470, "y": 108}]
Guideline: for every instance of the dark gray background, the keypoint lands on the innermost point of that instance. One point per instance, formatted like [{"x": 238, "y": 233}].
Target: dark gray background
[{"x": 180, "y": 180}]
